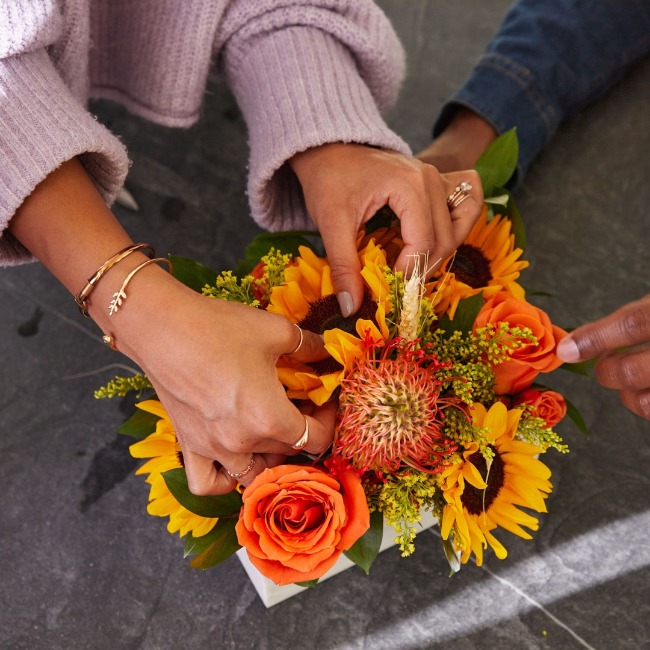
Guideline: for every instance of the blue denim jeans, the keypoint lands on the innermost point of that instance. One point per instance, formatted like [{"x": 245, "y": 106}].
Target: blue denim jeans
[{"x": 548, "y": 59}]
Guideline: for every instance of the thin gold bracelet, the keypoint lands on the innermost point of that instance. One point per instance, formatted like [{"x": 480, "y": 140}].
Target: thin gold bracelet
[
  {"x": 82, "y": 297},
  {"x": 120, "y": 296}
]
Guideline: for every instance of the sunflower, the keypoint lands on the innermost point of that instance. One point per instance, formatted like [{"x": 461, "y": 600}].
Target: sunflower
[
  {"x": 307, "y": 298},
  {"x": 486, "y": 261},
  {"x": 164, "y": 452},
  {"x": 481, "y": 496}
]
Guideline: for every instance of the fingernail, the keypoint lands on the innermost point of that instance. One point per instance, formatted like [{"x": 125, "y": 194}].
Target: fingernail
[
  {"x": 567, "y": 350},
  {"x": 345, "y": 303}
]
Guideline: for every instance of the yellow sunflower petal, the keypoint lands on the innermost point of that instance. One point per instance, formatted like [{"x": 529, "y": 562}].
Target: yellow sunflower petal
[
  {"x": 153, "y": 406},
  {"x": 150, "y": 447},
  {"x": 473, "y": 476},
  {"x": 496, "y": 420}
]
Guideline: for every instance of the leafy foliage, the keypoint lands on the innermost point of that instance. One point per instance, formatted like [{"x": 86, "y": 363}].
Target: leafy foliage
[
  {"x": 139, "y": 425},
  {"x": 364, "y": 551},
  {"x": 223, "y": 505}
]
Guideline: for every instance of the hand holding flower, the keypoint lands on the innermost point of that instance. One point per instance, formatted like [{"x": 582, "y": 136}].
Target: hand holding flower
[
  {"x": 625, "y": 370},
  {"x": 346, "y": 184},
  {"x": 219, "y": 383}
]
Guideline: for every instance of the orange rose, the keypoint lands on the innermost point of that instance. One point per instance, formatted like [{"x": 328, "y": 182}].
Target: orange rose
[
  {"x": 546, "y": 404},
  {"x": 297, "y": 520},
  {"x": 527, "y": 361}
]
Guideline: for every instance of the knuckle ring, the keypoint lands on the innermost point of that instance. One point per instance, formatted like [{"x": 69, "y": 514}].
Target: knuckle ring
[
  {"x": 459, "y": 195},
  {"x": 300, "y": 340},
  {"x": 304, "y": 438},
  {"x": 249, "y": 468}
]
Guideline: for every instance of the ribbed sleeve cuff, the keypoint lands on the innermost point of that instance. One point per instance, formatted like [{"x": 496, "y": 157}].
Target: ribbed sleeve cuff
[
  {"x": 299, "y": 88},
  {"x": 41, "y": 126},
  {"x": 505, "y": 94}
]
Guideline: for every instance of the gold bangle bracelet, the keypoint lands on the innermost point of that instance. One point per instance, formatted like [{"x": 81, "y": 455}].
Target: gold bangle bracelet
[
  {"x": 82, "y": 297},
  {"x": 120, "y": 296}
]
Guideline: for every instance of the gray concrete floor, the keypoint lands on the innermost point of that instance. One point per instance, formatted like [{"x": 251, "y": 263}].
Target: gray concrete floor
[{"x": 83, "y": 566}]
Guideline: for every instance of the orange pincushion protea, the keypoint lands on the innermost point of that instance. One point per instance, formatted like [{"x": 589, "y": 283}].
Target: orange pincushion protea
[{"x": 391, "y": 413}]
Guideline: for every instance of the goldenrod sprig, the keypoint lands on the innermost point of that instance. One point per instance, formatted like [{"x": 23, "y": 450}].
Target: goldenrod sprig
[
  {"x": 121, "y": 386},
  {"x": 403, "y": 498},
  {"x": 534, "y": 430}
]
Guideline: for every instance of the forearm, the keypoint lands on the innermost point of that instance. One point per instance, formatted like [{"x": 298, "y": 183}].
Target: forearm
[
  {"x": 324, "y": 77},
  {"x": 461, "y": 144},
  {"x": 66, "y": 225}
]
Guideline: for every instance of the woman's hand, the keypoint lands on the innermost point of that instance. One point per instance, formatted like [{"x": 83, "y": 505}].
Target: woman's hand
[
  {"x": 621, "y": 343},
  {"x": 346, "y": 184},
  {"x": 212, "y": 364}
]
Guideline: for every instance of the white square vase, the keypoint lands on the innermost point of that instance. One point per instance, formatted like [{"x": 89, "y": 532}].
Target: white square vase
[{"x": 271, "y": 594}]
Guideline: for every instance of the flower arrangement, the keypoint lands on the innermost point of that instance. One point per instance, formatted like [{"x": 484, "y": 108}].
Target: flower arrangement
[{"x": 440, "y": 403}]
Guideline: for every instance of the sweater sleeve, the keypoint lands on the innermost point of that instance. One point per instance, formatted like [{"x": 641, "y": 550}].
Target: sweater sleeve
[
  {"x": 306, "y": 74},
  {"x": 42, "y": 125}
]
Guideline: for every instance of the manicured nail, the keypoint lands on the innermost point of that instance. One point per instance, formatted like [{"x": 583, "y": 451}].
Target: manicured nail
[
  {"x": 567, "y": 350},
  {"x": 345, "y": 303}
]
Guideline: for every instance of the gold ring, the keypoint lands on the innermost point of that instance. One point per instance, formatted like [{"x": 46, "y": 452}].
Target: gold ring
[
  {"x": 304, "y": 438},
  {"x": 459, "y": 195},
  {"x": 249, "y": 467},
  {"x": 299, "y": 342}
]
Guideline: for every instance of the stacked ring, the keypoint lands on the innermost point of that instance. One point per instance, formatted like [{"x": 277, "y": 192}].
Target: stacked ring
[
  {"x": 459, "y": 195},
  {"x": 249, "y": 468}
]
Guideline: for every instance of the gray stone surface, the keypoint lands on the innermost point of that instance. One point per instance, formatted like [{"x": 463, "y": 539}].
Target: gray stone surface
[{"x": 83, "y": 566}]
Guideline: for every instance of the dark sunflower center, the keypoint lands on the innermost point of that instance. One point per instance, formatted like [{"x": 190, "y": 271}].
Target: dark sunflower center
[
  {"x": 471, "y": 266},
  {"x": 325, "y": 314},
  {"x": 477, "y": 501}
]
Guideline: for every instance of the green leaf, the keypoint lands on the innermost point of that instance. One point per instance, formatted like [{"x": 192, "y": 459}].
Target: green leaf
[
  {"x": 223, "y": 505},
  {"x": 308, "y": 584},
  {"x": 576, "y": 417},
  {"x": 222, "y": 547},
  {"x": 286, "y": 242},
  {"x": 139, "y": 425},
  {"x": 498, "y": 162},
  {"x": 464, "y": 317},
  {"x": 195, "y": 545},
  {"x": 583, "y": 368},
  {"x": 501, "y": 199},
  {"x": 452, "y": 556},
  {"x": 537, "y": 292},
  {"x": 191, "y": 273},
  {"x": 364, "y": 551}
]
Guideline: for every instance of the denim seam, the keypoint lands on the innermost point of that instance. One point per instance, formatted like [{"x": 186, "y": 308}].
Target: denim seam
[{"x": 525, "y": 80}]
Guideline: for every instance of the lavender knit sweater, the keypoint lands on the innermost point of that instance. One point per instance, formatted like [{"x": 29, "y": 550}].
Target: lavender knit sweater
[{"x": 304, "y": 73}]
